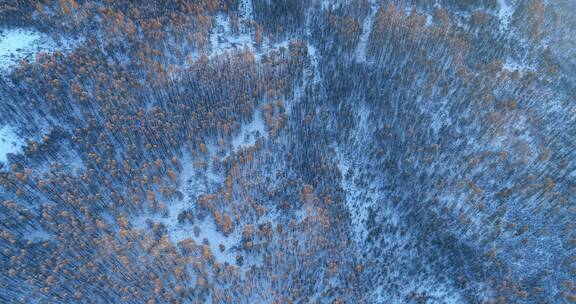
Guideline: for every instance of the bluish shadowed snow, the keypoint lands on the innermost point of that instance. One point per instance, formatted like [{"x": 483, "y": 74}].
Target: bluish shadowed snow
[
  {"x": 505, "y": 12},
  {"x": 9, "y": 142},
  {"x": 38, "y": 235},
  {"x": 249, "y": 133},
  {"x": 246, "y": 11},
  {"x": 223, "y": 39},
  {"x": 366, "y": 29},
  {"x": 19, "y": 44}
]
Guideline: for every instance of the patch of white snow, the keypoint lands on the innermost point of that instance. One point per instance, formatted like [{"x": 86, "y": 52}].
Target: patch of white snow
[
  {"x": 9, "y": 142},
  {"x": 222, "y": 38},
  {"x": 38, "y": 235},
  {"x": 505, "y": 12},
  {"x": 366, "y": 29},
  {"x": 18, "y": 44},
  {"x": 429, "y": 20},
  {"x": 250, "y": 133}
]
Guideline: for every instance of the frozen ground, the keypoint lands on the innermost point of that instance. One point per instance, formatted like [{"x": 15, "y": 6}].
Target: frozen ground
[
  {"x": 18, "y": 44},
  {"x": 246, "y": 10},
  {"x": 195, "y": 181},
  {"x": 513, "y": 65},
  {"x": 9, "y": 142},
  {"x": 359, "y": 197},
  {"x": 366, "y": 29},
  {"x": 223, "y": 39},
  {"x": 250, "y": 133},
  {"x": 206, "y": 228},
  {"x": 505, "y": 12},
  {"x": 37, "y": 235}
]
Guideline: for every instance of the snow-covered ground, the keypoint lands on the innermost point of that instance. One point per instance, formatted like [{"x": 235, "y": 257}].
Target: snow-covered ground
[
  {"x": 505, "y": 12},
  {"x": 14, "y": 43},
  {"x": 193, "y": 182},
  {"x": 38, "y": 235},
  {"x": 222, "y": 38},
  {"x": 522, "y": 67},
  {"x": 9, "y": 142},
  {"x": 246, "y": 10},
  {"x": 207, "y": 230},
  {"x": 314, "y": 69},
  {"x": 311, "y": 71},
  {"x": 250, "y": 133},
  {"x": 366, "y": 29},
  {"x": 18, "y": 44},
  {"x": 360, "y": 197}
]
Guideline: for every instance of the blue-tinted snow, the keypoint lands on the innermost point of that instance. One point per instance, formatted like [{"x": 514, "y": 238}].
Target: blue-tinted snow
[
  {"x": 9, "y": 142},
  {"x": 505, "y": 12},
  {"x": 17, "y": 44},
  {"x": 250, "y": 132},
  {"x": 246, "y": 11},
  {"x": 366, "y": 29}
]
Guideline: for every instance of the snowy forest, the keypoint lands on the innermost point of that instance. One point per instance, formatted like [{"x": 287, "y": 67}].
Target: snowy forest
[{"x": 288, "y": 151}]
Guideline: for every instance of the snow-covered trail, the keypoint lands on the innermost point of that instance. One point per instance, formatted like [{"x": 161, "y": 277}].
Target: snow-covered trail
[
  {"x": 313, "y": 70},
  {"x": 366, "y": 29},
  {"x": 505, "y": 12}
]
